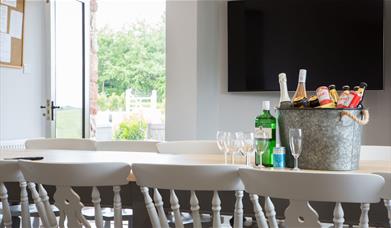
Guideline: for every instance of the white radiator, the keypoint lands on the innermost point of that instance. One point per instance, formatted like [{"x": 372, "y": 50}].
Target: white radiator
[{"x": 12, "y": 144}]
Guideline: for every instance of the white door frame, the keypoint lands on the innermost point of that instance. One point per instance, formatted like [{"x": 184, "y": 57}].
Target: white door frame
[{"x": 50, "y": 128}]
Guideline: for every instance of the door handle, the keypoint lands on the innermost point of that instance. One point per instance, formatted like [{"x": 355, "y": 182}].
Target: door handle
[
  {"x": 49, "y": 109},
  {"x": 52, "y": 107}
]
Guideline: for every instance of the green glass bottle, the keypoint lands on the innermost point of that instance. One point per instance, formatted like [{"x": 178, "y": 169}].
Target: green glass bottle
[{"x": 265, "y": 129}]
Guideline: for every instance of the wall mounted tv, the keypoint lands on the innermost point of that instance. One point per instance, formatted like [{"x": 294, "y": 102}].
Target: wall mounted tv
[{"x": 338, "y": 41}]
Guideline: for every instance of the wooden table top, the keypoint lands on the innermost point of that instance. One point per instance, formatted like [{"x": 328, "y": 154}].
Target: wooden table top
[{"x": 77, "y": 156}]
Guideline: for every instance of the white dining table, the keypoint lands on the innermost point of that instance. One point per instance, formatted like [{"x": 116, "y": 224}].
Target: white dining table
[{"x": 78, "y": 156}]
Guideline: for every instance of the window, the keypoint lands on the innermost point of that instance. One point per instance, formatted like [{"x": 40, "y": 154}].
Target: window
[{"x": 127, "y": 81}]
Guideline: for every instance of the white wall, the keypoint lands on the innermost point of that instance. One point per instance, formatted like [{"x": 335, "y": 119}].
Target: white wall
[
  {"x": 235, "y": 111},
  {"x": 21, "y": 94},
  {"x": 181, "y": 46}
]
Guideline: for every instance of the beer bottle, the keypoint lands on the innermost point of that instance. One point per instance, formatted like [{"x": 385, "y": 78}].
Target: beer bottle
[
  {"x": 346, "y": 89},
  {"x": 360, "y": 92},
  {"x": 362, "y": 88},
  {"x": 345, "y": 98},
  {"x": 333, "y": 93},
  {"x": 324, "y": 97}
]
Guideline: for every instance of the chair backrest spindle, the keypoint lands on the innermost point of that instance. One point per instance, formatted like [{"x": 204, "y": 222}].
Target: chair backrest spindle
[
  {"x": 6, "y": 208},
  {"x": 95, "y": 196},
  {"x": 159, "y": 206}
]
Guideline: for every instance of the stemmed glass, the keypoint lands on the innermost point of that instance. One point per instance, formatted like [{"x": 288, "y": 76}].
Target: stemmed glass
[
  {"x": 221, "y": 138},
  {"x": 239, "y": 144},
  {"x": 295, "y": 141},
  {"x": 231, "y": 144},
  {"x": 262, "y": 145},
  {"x": 248, "y": 146}
]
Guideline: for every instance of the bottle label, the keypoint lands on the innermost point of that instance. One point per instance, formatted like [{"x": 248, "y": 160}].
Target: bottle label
[
  {"x": 345, "y": 100},
  {"x": 323, "y": 95},
  {"x": 355, "y": 101},
  {"x": 263, "y": 133}
]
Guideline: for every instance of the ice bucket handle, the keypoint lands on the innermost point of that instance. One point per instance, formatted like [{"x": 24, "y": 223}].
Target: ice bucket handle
[{"x": 362, "y": 121}]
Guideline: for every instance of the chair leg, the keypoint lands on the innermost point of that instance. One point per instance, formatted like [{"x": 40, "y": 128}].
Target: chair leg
[
  {"x": 130, "y": 222},
  {"x": 15, "y": 222},
  {"x": 387, "y": 203}
]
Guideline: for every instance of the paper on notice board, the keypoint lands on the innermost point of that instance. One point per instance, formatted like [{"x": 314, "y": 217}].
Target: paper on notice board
[
  {"x": 9, "y": 2},
  {"x": 5, "y": 47},
  {"x": 16, "y": 24},
  {"x": 3, "y": 18}
]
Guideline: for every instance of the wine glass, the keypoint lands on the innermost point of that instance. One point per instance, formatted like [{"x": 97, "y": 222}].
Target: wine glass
[
  {"x": 248, "y": 146},
  {"x": 239, "y": 144},
  {"x": 231, "y": 145},
  {"x": 221, "y": 137},
  {"x": 262, "y": 145},
  {"x": 295, "y": 141}
]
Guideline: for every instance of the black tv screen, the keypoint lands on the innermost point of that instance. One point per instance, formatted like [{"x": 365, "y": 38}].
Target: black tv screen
[{"x": 338, "y": 41}]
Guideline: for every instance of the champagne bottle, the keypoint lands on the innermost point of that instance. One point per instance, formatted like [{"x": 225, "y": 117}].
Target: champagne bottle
[
  {"x": 285, "y": 101},
  {"x": 300, "y": 90},
  {"x": 265, "y": 129}
]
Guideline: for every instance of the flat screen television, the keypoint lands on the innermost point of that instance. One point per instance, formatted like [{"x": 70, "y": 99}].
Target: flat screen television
[{"x": 338, "y": 41}]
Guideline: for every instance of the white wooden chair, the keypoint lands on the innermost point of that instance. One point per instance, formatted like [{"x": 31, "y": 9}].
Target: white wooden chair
[
  {"x": 9, "y": 172},
  {"x": 61, "y": 144},
  {"x": 386, "y": 193},
  {"x": 189, "y": 178},
  {"x": 67, "y": 175},
  {"x": 302, "y": 187},
  {"x": 189, "y": 147},
  {"x": 127, "y": 145},
  {"x": 382, "y": 153},
  {"x": 87, "y": 144}
]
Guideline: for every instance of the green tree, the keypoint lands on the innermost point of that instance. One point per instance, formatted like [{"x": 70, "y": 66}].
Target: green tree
[
  {"x": 132, "y": 58},
  {"x": 113, "y": 102}
]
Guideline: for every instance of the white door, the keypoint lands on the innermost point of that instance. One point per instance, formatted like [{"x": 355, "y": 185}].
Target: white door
[{"x": 66, "y": 108}]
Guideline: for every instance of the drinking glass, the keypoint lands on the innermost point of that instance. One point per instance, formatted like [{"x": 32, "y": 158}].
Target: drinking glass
[
  {"x": 262, "y": 145},
  {"x": 231, "y": 145},
  {"x": 221, "y": 137},
  {"x": 239, "y": 144},
  {"x": 248, "y": 146},
  {"x": 228, "y": 145},
  {"x": 295, "y": 141}
]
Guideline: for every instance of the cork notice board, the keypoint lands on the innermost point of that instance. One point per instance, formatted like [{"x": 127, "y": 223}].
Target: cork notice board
[{"x": 11, "y": 33}]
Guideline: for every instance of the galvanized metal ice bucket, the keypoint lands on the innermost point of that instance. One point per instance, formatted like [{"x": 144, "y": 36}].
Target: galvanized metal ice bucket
[{"x": 331, "y": 137}]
